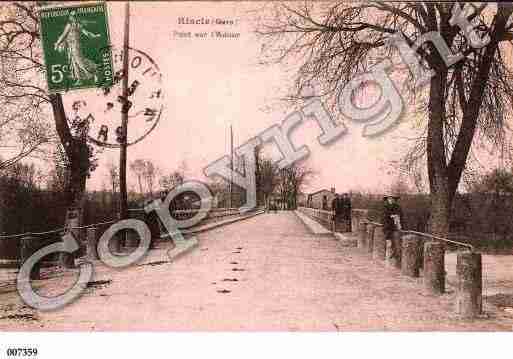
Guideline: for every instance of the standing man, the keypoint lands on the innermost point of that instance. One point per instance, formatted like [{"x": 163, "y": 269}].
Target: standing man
[
  {"x": 392, "y": 221},
  {"x": 346, "y": 211},
  {"x": 273, "y": 206},
  {"x": 336, "y": 207}
]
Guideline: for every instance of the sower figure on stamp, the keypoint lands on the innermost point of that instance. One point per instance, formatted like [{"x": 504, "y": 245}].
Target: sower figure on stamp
[
  {"x": 80, "y": 66},
  {"x": 392, "y": 221}
]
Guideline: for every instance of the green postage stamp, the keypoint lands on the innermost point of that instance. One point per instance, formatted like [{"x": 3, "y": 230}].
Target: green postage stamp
[{"x": 76, "y": 47}]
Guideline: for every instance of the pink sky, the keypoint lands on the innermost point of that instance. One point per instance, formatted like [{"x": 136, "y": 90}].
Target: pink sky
[{"x": 212, "y": 83}]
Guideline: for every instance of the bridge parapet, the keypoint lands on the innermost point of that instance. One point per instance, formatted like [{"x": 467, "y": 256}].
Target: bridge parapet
[
  {"x": 413, "y": 251},
  {"x": 181, "y": 214},
  {"x": 327, "y": 218},
  {"x": 322, "y": 216}
]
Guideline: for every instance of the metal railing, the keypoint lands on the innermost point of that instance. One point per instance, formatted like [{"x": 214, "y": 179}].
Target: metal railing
[
  {"x": 471, "y": 247},
  {"x": 326, "y": 217},
  {"x": 428, "y": 235}
]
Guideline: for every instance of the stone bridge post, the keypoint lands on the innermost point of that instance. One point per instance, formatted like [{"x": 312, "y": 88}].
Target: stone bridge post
[
  {"x": 362, "y": 235},
  {"x": 434, "y": 267},
  {"x": 470, "y": 284},
  {"x": 379, "y": 244},
  {"x": 394, "y": 249},
  {"x": 370, "y": 236},
  {"x": 411, "y": 255}
]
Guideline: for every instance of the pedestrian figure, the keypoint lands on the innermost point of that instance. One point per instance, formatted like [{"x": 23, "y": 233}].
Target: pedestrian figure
[
  {"x": 341, "y": 207},
  {"x": 272, "y": 206},
  {"x": 336, "y": 207},
  {"x": 346, "y": 211},
  {"x": 392, "y": 221}
]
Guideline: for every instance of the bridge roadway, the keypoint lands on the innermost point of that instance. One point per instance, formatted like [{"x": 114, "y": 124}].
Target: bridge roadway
[{"x": 265, "y": 273}]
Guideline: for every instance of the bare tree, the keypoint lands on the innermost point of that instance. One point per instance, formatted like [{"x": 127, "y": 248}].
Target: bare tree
[
  {"x": 261, "y": 176},
  {"x": 137, "y": 167},
  {"x": 22, "y": 122},
  {"x": 150, "y": 174},
  {"x": 113, "y": 176},
  {"x": 291, "y": 180},
  {"x": 400, "y": 187},
  {"x": 22, "y": 90},
  {"x": 170, "y": 181},
  {"x": 174, "y": 178},
  {"x": 59, "y": 175},
  {"x": 147, "y": 172},
  {"x": 23, "y": 131},
  {"x": 466, "y": 101},
  {"x": 266, "y": 176},
  {"x": 23, "y": 174}
]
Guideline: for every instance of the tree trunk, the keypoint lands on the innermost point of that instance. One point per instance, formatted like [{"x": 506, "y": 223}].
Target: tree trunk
[
  {"x": 77, "y": 153},
  {"x": 444, "y": 176},
  {"x": 441, "y": 200},
  {"x": 79, "y": 165}
]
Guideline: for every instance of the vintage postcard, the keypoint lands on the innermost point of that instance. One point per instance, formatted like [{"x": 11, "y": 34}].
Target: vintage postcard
[{"x": 254, "y": 166}]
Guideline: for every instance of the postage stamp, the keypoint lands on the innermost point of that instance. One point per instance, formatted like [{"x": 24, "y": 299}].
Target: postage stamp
[{"x": 72, "y": 39}]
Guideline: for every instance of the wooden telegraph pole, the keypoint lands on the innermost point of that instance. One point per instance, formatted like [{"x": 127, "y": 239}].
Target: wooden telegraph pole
[
  {"x": 231, "y": 166},
  {"x": 123, "y": 202}
]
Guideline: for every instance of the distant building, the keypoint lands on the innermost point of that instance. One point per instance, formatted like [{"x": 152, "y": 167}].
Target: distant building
[
  {"x": 321, "y": 199},
  {"x": 301, "y": 199}
]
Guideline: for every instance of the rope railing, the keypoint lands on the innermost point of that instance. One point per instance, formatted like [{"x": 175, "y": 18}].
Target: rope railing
[
  {"x": 95, "y": 225},
  {"x": 180, "y": 212},
  {"x": 54, "y": 231},
  {"x": 20, "y": 235}
]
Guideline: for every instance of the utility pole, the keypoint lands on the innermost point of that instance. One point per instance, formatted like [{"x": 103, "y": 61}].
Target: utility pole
[
  {"x": 231, "y": 166},
  {"x": 123, "y": 200}
]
